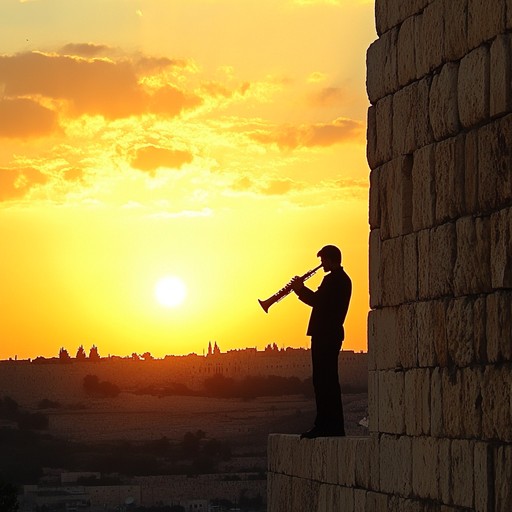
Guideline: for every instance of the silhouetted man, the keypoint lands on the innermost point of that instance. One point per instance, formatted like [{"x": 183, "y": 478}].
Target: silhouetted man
[{"x": 330, "y": 305}]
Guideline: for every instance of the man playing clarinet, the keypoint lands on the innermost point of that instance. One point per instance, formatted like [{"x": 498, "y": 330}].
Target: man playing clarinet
[{"x": 329, "y": 309}]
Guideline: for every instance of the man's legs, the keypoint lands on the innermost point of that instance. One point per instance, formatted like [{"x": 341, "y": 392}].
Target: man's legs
[{"x": 324, "y": 354}]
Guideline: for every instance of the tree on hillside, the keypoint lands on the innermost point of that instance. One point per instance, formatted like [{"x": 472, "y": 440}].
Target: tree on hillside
[
  {"x": 93, "y": 353},
  {"x": 64, "y": 355},
  {"x": 80, "y": 353}
]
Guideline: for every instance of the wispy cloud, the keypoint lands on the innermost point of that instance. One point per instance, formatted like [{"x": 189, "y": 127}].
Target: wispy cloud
[
  {"x": 151, "y": 158},
  {"x": 320, "y": 134}
]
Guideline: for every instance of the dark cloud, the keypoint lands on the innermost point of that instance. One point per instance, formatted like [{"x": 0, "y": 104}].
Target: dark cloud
[
  {"x": 15, "y": 183},
  {"x": 322, "y": 134},
  {"x": 171, "y": 101},
  {"x": 25, "y": 118},
  {"x": 96, "y": 87},
  {"x": 329, "y": 97},
  {"x": 150, "y": 158},
  {"x": 84, "y": 49}
]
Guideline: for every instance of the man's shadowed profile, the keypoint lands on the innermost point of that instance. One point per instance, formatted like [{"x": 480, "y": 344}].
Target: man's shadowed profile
[{"x": 330, "y": 305}]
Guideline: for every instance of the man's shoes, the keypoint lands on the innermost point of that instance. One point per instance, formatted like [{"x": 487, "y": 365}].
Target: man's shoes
[{"x": 322, "y": 432}]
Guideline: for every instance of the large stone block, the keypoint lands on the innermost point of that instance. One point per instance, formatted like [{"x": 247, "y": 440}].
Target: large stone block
[
  {"x": 411, "y": 124},
  {"x": 460, "y": 332},
  {"x": 347, "y": 453},
  {"x": 417, "y": 402},
  {"x": 472, "y": 273},
  {"x": 396, "y": 197},
  {"x": 384, "y": 130},
  {"x": 377, "y": 502},
  {"x": 382, "y": 66},
  {"x": 302, "y": 459},
  {"x": 375, "y": 275},
  {"x": 391, "y": 269},
  {"x": 499, "y": 326},
  {"x": 462, "y": 462},
  {"x": 452, "y": 399},
  {"x": 371, "y": 137},
  {"x": 391, "y": 402},
  {"x": 360, "y": 500},
  {"x": 410, "y": 276},
  {"x": 471, "y": 409},
  {"x": 443, "y": 250},
  {"x": 501, "y": 76},
  {"x": 305, "y": 495},
  {"x": 436, "y": 403},
  {"x": 443, "y": 102},
  {"x": 430, "y": 38},
  {"x": 494, "y": 164},
  {"x": 456, "y": 34},
  {"x": 406, "y": 53},
  {"x": 496, "y": 413},
  {"x": 471, "y": 186},
  {"x": 424, "y": 250},
  {"x": 423, "y": 188},
  {"x": 426, "y": 322},
  {"x": 425, "y": 470},
  {"x": 407, "y": 331},
  {"x": 445, "y": 469},
  {"x": 486, "y": 19},
  {"x": 480, "y": 328},
  {"x": 432, "y": 341},
  {"x": 501, "y": 255},
  {"x": 389, "y": 13},
  {"x": 279, "y": 491},
  {"x": 483, "y": 477},
  {"x": 395, "y": 459},
  {"x": 473, "y": 87},
  {"x": 449, "y": 178},
  {"x": 384, "y": 337},
  {"x": 438, "y": 330},
  {"x": 503, "y": 478},
  {"x": 373, "y": 401},
  {"x": 374, "y": 199}
]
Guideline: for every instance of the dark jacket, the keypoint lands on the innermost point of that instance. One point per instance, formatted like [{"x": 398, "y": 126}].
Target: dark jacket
[{"x": 330, "y": 304}]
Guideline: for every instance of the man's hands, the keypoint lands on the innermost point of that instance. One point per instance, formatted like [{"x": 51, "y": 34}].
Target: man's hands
[{"x": 297, "y": 283}]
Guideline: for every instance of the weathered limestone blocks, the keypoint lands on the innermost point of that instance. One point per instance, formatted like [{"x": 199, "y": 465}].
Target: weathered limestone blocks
[
  {"x": 389, "y": 13},
  {"x": 417, "y": 401},
  {"x": 501, "y": 79},
  {"x": 382, "y": 59},
  {"x": 395, "y": 196},
  {"x": 430, "y": 38},
  {"x": 472, "y": 272},
  {"x": 496, "y": 403},
  {"x": 501, "y": 253},
  {"x": 423, "y": 188},
  {"x": 395, "y": 460},
  {"x": 503, "y": 478},
  {"x": 411, "y": 123},
  {"x": 391, "y": 401},
  {"x": 486, "y": 18},
  {"x": 456, "y": 32},
  {"x": 498, "y": 331},
  {"x": 443, "y": 102},
  {"x": 473, "y": 87}
]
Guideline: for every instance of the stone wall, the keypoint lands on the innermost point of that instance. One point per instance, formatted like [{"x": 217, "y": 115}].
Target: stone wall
[{"x": 440, "y": 330}]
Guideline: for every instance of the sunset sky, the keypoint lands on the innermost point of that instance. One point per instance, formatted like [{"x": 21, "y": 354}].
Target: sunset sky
[{"x": 218, "y": 141}]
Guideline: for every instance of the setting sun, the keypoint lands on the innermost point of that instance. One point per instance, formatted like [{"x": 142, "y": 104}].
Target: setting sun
[{"x": 170, "y": 291}]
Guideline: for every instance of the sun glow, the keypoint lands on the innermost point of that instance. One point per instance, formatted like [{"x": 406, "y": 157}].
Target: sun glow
[{"x": 170, "y": 291}]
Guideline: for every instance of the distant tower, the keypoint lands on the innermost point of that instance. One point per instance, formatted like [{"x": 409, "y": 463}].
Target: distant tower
[
  {"x": 209, "y": 348},
  {"x": 216, "y": 349}
]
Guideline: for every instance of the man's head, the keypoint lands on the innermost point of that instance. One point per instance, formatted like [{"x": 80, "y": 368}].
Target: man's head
[{"x": 330, "y": 256}]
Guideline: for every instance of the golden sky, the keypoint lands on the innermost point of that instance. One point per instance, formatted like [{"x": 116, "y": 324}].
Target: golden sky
[{"x": 219, "y": 141}]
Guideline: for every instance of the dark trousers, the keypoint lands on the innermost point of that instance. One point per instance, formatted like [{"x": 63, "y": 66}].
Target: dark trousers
[{"x": 329, "y": 409}]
